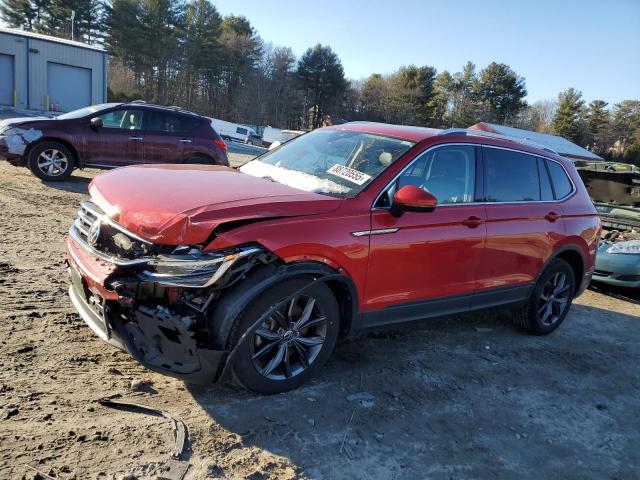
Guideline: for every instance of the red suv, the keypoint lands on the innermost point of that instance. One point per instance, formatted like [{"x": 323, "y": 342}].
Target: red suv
[
  {"x": 107, "y": 136},
  {"x": 205, "y": 272}
]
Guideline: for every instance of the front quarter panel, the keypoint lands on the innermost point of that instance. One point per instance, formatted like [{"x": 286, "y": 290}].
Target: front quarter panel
[{"x": 327, "y": 239}]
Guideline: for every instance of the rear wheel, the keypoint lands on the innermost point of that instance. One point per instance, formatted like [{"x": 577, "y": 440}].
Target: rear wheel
[
  {"x": 550, "y": 299},
  {"x": 51, "y": 161},
  {"x": 289, "y": 345}
]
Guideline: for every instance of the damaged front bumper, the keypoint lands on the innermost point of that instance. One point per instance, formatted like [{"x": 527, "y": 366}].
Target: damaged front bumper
[
  {"x": 8, "y": 152},
  {"x": 14, "y": 142},
  {"x": 154, "y": 339},
  {"x": 158, "y": 315}
]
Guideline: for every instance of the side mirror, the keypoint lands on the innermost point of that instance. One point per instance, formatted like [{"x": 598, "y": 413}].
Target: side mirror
[
  {"x": 412, "y": 199},
  {"x": 96, "y": 123}
]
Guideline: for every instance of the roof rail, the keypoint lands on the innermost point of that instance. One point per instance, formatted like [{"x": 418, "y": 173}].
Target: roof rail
[
  {"x": 482, "y": 133},
  {"x": 138, "y": 101}
]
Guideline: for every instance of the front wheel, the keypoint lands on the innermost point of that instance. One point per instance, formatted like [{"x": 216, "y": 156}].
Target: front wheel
[
  {"x": 550, "y": 299},
  {"x": 289, "y": 345},
  {"x": 51, "y": 161}
]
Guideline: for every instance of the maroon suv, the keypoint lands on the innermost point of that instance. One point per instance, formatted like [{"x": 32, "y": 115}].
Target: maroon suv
[{"x": 110, "y": 135}]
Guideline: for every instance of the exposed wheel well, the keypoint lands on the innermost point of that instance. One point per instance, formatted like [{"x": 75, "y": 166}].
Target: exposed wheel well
[
  {"x": 71, "y": 148},
  {"x": 222, "y": 318},
  {"x": 346, "y": 303},
  {"x": 574, "y": 259}
]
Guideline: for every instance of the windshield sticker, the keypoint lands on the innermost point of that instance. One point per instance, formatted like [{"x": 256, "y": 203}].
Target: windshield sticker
[{"x": 354, "y": 176}]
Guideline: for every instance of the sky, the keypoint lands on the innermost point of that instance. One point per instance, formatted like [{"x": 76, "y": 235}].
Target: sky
[{"x": 593, "y": 46}]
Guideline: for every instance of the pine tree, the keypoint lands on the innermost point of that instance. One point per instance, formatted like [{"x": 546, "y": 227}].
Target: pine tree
[
  {"x": 322, "y": 77},
  {"x": 567, "y": 122},
  {"x": 501, "y": 91},
  {"x": 597, "y": 118},
  {"x": 18, "y": 13},
  {"x": 464, "y": 110}
]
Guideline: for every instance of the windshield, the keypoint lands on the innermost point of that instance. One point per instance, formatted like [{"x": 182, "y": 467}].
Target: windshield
[
  {"x": 334, "y": 162},
  {"x": 83, "y": 112}
]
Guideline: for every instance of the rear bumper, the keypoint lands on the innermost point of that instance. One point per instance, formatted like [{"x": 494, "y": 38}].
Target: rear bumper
[{"x": 586, "y": 281}]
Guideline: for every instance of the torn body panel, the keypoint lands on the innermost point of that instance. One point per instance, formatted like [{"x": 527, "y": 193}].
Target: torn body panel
[
  {"x": 15, "y": 141},
  {"x": 163, "y": 326}
]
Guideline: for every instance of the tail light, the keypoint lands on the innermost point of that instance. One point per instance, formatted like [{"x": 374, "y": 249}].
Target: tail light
[{"x": 219, "y": 142}]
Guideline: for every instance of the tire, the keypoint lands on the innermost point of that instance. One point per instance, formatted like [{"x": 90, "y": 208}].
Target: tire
[
  {"x": 51, "y": 161},
  {"x": 550, "y": 299},
  {"x": 259, "y": 353}
]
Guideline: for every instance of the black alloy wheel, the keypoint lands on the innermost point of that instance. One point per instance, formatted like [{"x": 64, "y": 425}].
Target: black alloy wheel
[
  {"x": 550, "y": 299},
  {"x": 554, "y": 299},
  {"x": 291, "y": 343}
]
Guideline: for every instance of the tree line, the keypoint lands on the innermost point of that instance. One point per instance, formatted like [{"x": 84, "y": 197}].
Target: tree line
[{"x": 186, "y": 53}]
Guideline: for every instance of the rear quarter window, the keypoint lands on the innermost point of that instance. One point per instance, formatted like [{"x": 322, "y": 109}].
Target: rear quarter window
[
  {"x": 561, "y": 183},
  {"x": 171, "y": 123}
]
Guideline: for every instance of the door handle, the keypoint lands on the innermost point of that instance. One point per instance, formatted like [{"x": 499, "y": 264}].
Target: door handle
[
  {"x": 552, "y": 216},
  {"x": 137, "y": 139},
  {"x": 472, "y": 222},
  {"x": 185, "y": 140}
]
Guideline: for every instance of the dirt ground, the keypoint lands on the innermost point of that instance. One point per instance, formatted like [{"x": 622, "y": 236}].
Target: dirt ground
[{"x": 465, "y": 397}]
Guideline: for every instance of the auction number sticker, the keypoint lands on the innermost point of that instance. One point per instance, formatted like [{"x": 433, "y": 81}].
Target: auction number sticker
[{"x": 354, "y": 176}]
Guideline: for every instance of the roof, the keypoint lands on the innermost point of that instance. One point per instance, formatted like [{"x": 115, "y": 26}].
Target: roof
[
  {"x": 170, "y": 108},
  {"x": 404, "y": 132},
  {"x": 561, "y": 145},
  {"x": 48, "y": 38}
]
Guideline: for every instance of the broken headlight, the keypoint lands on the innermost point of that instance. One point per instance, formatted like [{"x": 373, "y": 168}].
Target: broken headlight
[
  {"x": 631, "y": 246},
  {"x": 193, "y": 268}
]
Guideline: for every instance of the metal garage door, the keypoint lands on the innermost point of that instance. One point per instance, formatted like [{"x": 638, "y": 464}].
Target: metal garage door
[
  {"x": 68, "y": 87},
  {"x": 6, "y": 79}
]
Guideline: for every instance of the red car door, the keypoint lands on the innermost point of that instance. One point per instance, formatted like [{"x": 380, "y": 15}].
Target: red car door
[
  {"x": 420, "y": 257},
  {"x": 524, "y": 222},
  {"x": 118, "y": 142}
]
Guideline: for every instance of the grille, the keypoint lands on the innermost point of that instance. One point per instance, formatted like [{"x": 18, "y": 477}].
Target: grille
[
  {"x": 101, "y": 234},
  {"x": 87, "y": 217},
  {"x": 602, "y": 273}
]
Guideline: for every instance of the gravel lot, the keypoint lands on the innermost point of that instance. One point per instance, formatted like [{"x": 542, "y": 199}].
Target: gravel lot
[{"x": 465, "y": 397}]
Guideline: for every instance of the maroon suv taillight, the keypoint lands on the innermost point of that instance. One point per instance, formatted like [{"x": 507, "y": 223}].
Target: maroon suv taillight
[{"x": 219, "y": 142}]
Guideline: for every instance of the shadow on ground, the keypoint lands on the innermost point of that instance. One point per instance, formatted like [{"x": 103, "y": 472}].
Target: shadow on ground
[
  {"x": 73, "y": 184},
  {"x": 469, "y": 396}
]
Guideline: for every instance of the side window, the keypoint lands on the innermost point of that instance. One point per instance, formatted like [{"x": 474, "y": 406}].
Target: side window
[
  {"x": 112, "y": 119},
  {"x": 123, "y": 119},
  {"x": 157, "y": 121},
  {"x": 189, "y": 124},
  {"x": 448, "y": 173},
  {"x": 561, "y": 184},
  {"x": 510, "y": 176},
  {"x": 546, "y": 193},
  {"x": 241, "y": 131}
]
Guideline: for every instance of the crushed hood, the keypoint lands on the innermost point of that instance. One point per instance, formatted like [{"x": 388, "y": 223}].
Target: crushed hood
[{"x": 183, "y": 204}]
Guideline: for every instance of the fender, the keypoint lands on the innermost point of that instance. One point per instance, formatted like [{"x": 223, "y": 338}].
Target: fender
[
  {"x": 233, "y": 301},
  {"x": 581, "y": 283}
]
